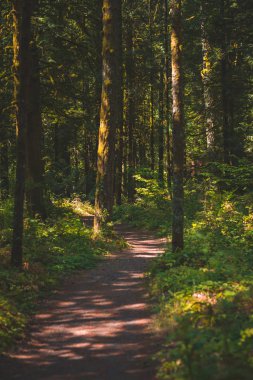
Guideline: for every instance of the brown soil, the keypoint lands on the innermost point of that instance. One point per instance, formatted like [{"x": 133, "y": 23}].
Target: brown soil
[{"x": 97, "y": 326}]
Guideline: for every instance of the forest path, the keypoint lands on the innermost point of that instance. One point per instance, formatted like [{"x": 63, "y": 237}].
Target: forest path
[{"x": 97, "y": 326}]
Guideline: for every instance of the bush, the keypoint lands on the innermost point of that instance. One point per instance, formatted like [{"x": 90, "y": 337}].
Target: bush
[
  {"x": 205, "y": 295},
  {"x": 151, "y": 210}
]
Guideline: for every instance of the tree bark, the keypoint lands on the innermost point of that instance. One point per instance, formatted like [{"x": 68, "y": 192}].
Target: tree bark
[
  {"x": 161, "y": 131},
  {"x": 35, "y": 167},
  {"x": 108, "y": 116},
  {"x": 21, "y": 41},
  {"x": 152, "y": 126},
  {"x": 167, "y": 98},
  {"x": 178, "y": 128},
  {"x": 4, "y": 128},
  {"x": 130, "y": 117},
  {"x": 227, "y": 98},
  {"x": 207, "y": 83},
  {"x": 4, "y": 159},
  {"x": 119, "y": 163}
]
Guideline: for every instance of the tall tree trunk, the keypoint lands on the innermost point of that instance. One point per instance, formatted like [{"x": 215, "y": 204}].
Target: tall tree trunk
[
  {"x": 4, "y": 159},
  {"x": 108, "y": 116},
  {"x": 4, "y": 128},
  {"x": 207, "y": 83},
  {"x": 130, "y": 117},
  {"x": 178, "y": 128},
  {"x": 227, "y": 100},
  {"x": 161, "y": 130},
  {"x": 119, "y": 162},
  {"x": 167, "y": 98},
  {"x": 21, "y": 41},
  {"x": 152, "y": 126},
  {"x": 35, "y": 167}
]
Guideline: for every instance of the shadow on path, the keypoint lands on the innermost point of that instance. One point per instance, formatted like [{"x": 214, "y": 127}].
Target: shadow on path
[{"x": 96, "y": 326}]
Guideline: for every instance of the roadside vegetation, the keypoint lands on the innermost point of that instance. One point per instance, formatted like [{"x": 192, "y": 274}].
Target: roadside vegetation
[
  {"x": 52, "y": 249},
  {"x": 203, "y": 294}
]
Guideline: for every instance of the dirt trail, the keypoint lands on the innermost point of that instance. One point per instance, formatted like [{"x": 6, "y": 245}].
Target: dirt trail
[{"x": 96, "y": 326}]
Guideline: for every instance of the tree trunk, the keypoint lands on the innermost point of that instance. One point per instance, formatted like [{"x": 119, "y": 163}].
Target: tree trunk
[
  {"x": 35, "y": 167},
  {"x": 108, "y": 115},
  {"x": 119, "y": 155},
  {"x": 207, "y": 82},
  {"x": 152, "y": 126},
  {"x": 161, "y": 131},
  {"x": 178, "y": 128},
  {"x": 4, "y": 127},
  {"x": 167, "y": 99},
  {"x": 4, "y": 159},
  {"x": 130, "y": 117},
  {"x": 227, "y": 100},
  {"x": 21, "y": 41}
]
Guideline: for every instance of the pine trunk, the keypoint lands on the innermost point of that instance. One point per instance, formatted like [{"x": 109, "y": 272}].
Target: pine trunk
[
  {"x": 207, "y": 85},
  {"x": 21, "y": 41},
  {"x": 35, "y": 168},
  {"x": 119, "y": 163},
  {"x": 152, "y": 126},
  {"x": 108, "y": 115},
  {"x": 227, "y": 99},
  {"x": 166, "y": 96},
  {"x": 4, "y": 159},
  {"x": 130, "y": 112},
  {"x": 161, "y": 130},
  {"x": 178, "y": 128}
]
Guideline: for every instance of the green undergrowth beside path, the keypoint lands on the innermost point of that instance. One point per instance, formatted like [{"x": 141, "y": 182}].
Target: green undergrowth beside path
[
  {"x": 204, "y": 294},
  {"x": 152, "y": 207},
  {"x": 52, "y": 249}
]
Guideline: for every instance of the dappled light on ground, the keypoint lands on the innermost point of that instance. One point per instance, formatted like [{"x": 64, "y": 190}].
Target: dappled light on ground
[{"x": 97, "y": 326}]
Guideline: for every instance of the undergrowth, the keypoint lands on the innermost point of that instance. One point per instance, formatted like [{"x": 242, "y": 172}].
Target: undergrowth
[
  {"x": 204, "y": 294},
  {"x": 151, "y": 209},
  {"x": 52, "y": 249}
]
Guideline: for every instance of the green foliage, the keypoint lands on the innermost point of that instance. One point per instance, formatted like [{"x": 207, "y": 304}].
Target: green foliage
[
  {"x": 51, "y": 250},
  {"x": 237, "y": 178},
  {"x": 152, "y": 207},
  {"x": 205, "y": 294}
]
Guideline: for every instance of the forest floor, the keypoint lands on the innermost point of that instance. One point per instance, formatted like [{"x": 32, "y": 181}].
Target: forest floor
[{"x": 97, "y": 325}]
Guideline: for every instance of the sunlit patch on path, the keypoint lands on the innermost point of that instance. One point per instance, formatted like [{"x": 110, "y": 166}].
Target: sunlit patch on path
[{"x": 97, "y": 326}]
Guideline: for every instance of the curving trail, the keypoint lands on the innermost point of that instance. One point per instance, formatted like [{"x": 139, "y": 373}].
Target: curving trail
[{"x": 97, "y": 325}]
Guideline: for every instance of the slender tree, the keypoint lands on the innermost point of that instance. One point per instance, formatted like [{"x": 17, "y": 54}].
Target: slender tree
[
  {"x": 130, "y": 113},
  {"x": 227, "y": 94},
  {"x": 207, "y": 84},
  {"x": 119, "y": 164},
  {"x": 4, "y": 127},
  {"x": 21, "y": 42},
  {"x": 108, "y": 115},
  {"x": 34, "y": 137},
  {"x": 152, "y": 123},
  {"x": 4, "y": 157},
  {"x": 166, "y": 95},
  {"x": 161, "y": 129},
  {"x": 178, "y": 127}
]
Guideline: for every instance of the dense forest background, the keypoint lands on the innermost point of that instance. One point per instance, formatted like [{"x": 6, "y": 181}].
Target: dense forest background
[{"x": 168, "y": 145}]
